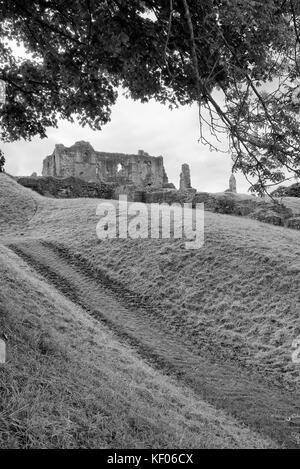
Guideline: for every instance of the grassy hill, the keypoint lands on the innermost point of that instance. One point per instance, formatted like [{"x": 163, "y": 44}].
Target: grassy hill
[
  {"x": 240, "y": 289},
  {"x": 69, "y": 383},
  {"x": 18, "y": 204},
  {"x": 236, "y": 300},
  {"x": 293, "y": 203}
]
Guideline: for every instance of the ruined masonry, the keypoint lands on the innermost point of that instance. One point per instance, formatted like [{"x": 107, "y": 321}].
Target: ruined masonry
[
  {"x": 82, "y": 161},
  {"x": 185, "y": 178},
  {"x": 232, "y": 183}
]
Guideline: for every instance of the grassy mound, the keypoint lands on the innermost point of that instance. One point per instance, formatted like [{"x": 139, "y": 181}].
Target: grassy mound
[
  {"x": 17, "y": 204},
  {"x": 68, "y": 383},
  {"x": 236, "y": 298}
]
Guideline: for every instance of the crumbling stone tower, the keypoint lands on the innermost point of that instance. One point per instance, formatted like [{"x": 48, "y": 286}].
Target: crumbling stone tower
[
  {"x": 185, "y": 178},
  {"x": 232, "y": 183}
]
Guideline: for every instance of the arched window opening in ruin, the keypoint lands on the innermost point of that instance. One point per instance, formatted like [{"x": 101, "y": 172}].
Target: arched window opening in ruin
[{"x": 120, "y": 167}]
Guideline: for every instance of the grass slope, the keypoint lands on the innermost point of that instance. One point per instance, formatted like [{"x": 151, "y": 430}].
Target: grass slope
[
  {"x": 69, "y": 383},
  {"x": 236, "y": 298},
  {"x": 17, "y": 204}
]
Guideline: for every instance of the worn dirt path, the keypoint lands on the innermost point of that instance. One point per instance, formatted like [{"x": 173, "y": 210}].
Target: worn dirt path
[{"x": 264, "y": 409}]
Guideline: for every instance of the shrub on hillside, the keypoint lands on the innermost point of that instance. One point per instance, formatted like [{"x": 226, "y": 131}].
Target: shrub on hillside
[
  {"x": 291, "y": 191},
  {"x": 70, "y": 187}
]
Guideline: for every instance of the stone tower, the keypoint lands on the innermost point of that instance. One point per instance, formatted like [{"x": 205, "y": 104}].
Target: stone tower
[
  {"x": 185, "y": 178},
  {"x": 232, "y": 183}
]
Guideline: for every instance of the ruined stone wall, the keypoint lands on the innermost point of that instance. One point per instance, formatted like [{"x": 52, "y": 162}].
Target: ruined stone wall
[
  {"x": 69, "y": 187},
  {"x": 78, "y": 161},
  {"x": 82, "y": 161},
  {"x": 140, "y": 170}
]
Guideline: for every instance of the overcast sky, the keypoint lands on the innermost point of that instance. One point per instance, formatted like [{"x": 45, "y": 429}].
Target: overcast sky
[{"x": 151, "y": 127}]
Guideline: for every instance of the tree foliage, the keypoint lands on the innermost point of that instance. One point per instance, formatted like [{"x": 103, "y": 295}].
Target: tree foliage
[{"x": 175, "y": 51}]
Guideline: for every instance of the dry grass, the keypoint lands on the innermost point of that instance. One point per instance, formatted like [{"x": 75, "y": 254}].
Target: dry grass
[
  {"x": 241, "y": 289},
  {"x": 237, "y": 297},
  {"x": 239, "y": 294},
  {"x": 17, "y": 204},
  {"x": 69, "y": 383}
]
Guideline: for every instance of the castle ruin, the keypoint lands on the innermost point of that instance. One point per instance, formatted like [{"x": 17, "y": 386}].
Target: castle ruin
[{"x": 82, "y": 161}]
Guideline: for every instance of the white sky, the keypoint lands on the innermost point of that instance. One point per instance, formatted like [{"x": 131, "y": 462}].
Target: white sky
[{"x": 151, "y": 127}]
